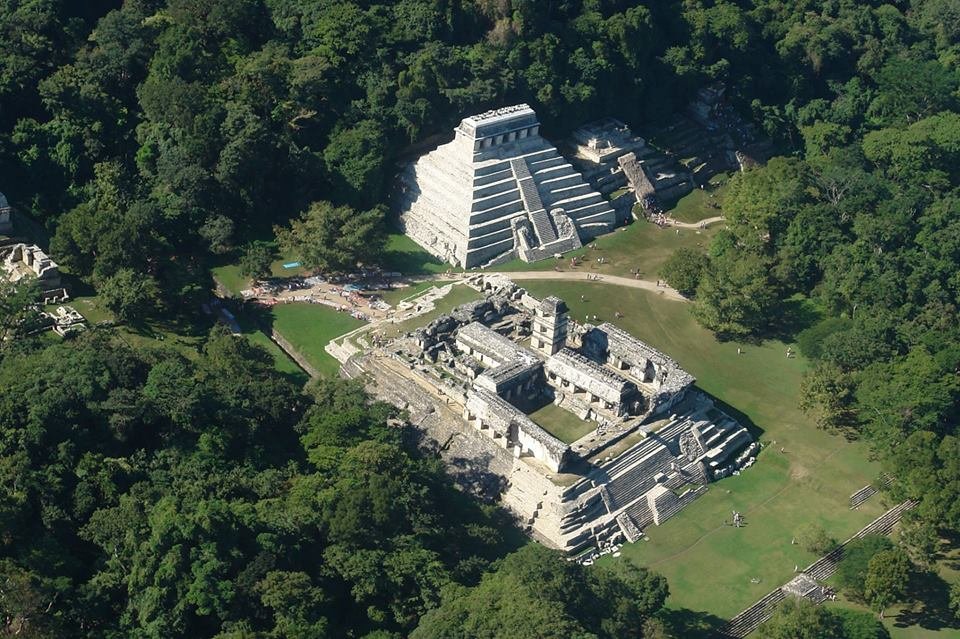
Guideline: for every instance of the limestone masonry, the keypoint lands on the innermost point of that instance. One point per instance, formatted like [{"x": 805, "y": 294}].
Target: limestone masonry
[
  {"x": 499, "y": 191},
  {"x": 490, "y": 383}
]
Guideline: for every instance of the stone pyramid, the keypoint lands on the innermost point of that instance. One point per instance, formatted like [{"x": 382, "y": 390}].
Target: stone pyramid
[{"x": 499, "y": 191}]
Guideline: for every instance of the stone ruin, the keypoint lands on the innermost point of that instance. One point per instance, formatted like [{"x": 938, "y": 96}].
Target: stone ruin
[
  {"x": 20, "y": 260},
  {"x": 499, "y": 191},
  {"x": 613, "y": 159},
  {"x": 6, "y": 224},
  {"x": 64, "y": 320},
  {"x": 475, "y": 379}
]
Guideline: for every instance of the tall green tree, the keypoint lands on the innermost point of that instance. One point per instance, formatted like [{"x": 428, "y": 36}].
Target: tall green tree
[{"x": 334, "y": 238}]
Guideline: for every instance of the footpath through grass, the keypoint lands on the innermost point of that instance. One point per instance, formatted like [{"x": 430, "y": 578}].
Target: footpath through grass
[
  {"x": 699, "y": 204},
  {"x": 710, "y": 565}
]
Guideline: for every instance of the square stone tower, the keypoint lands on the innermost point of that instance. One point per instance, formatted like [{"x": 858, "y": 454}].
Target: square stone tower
[
  {"x": 550, "y": 326},
  {"x": 498, "y": 191}
]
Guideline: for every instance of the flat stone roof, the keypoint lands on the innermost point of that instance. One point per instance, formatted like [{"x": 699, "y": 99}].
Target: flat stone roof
[
  {"x": 485, "y": 340},
  {"x": 629, "y": 348},
  {"x": 498, "y": 121}
]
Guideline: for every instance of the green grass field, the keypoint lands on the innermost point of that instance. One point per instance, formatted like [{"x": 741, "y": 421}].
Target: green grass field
[
  {"x": 395, "y": 296},
  {"x": 640, "y": 245},
  {"x": 231, "y": 279},
  {"x": 709, "y": 565},
  {"x": 561, "y": 423},
  {"x": 308, "y": 327},
  {"x": 459, "y": 294},
  {"x": 695, "y": 205}
]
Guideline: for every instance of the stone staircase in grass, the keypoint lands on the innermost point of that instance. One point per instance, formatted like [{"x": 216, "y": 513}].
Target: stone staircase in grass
[
  {"x": 750, "y": 619},
  {"x": 862, "y": 495}
]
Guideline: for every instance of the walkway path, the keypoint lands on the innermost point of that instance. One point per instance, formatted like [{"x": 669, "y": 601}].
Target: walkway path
[
  {"x": 616, "y": 280},
  {"x": 571, "y": 276},
  {"x": 695, "y": 225}
]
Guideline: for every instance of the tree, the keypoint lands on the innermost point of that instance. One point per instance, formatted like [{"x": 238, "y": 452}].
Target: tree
[
  {"x": 760, "y": 203},
  {"x": 910, "y": 90},
  {"x": 356, "y": 156},
  {"x": 736, "y": 297},
  {"x": 859, "y": 625},
  {"x": 955, "y": 598},
  {"x": 256, "y": 260},
  {"x": 334, "y": 238},
  {"x": 813, "y": 538},
  {"x": 853, "y": 568},
  {"x": 888, "y": 574},
  {"x": 684, "y": 269},
  {"x": 18, "y": 308},
  {"x": 26, "y": 607},
  {"x": 798, "y": 618},
  {"x": 535, "y": 593},
  {"x": 132, "y": 296}
]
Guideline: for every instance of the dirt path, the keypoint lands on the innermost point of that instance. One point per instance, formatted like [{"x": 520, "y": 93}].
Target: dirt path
[
  {"x": 616, "y": 280},
  {"x": 695, "y": 225}
]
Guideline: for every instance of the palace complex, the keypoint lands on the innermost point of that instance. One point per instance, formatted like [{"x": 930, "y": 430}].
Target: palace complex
[{"x": 588, "y": 434}]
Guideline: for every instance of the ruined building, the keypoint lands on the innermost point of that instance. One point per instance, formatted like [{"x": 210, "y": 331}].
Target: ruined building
[
  {"x": 491, "y": 382},
  {"x": 6, "y": 225},
  {"x": 615, "y": 161},
  {"x": 499, "y": 191}
]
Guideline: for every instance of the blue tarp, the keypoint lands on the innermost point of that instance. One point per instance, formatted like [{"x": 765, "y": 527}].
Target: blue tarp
[{"x": 291, "y": 265}]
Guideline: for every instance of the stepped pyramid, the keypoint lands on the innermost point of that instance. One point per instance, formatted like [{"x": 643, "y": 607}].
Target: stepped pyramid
[{"x": 499, "y": 191}]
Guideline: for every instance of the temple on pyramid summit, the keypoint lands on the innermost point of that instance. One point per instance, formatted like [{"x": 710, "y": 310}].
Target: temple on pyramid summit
[{"x": 499, "y": 191}]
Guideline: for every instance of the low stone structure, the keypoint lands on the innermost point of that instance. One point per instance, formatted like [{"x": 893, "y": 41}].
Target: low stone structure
[
  {"x": 21, "y": 260},
  {"x": 613, "y": 159},
  {"x": 65, "y": 320},
  {"x": 6, "y": 224},
  {"x": 498, "y": 191},
  {"x": 487, "y": 370}
]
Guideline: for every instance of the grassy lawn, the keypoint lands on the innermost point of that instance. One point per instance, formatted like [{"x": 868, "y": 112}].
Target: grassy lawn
[
  {"x": 184, "y": 337},
  {"x": 406, "y": 256},
  {"x": 459, "y": 294},
  {"x": 91, "y": 309},
  {"x": 710, "y": 565},
  {"x": 229, "y": 274},
  {"x": 695, "y": 205},
  {"x": 640, "y": 245},
  {"x": 561, "y": 423},
  {"x": 397, "y": 295},
  {"x": 309, "y": 327}
]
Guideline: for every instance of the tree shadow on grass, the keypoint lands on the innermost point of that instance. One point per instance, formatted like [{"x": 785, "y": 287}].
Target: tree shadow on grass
[
  {"x": 692, "y": 624},
  {"x": 931, "y": 610},
  {"x": 795, "y": 314}
]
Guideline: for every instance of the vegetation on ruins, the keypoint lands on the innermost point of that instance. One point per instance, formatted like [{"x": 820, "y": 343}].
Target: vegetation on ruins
[{"x": 151, "y": 494}]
